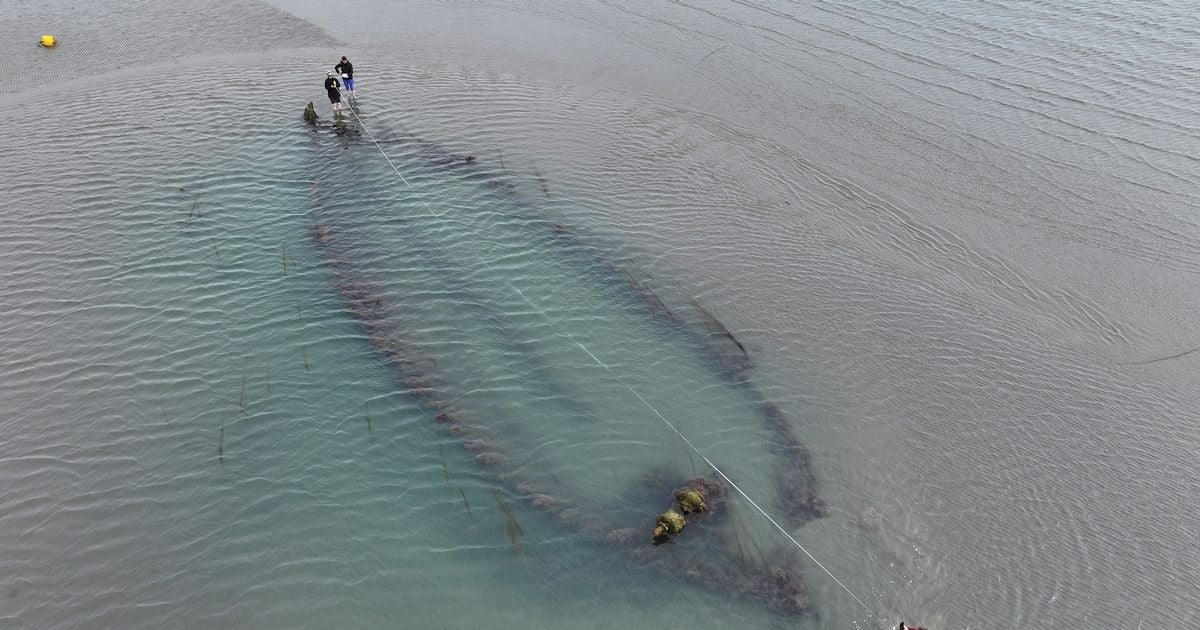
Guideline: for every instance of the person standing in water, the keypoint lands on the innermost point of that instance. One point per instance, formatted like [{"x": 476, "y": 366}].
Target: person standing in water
[
  {"x": 346, "y": 69},
  {"x": 335, "y": 95}
]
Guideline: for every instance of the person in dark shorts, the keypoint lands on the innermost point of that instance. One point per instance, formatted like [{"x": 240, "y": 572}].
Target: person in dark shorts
[
  {"x": 335, "y": 95},
  {"x": 346, "y": 69}
]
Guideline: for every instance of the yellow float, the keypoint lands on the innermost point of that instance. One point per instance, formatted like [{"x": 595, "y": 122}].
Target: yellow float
[{"x": 48, "y": 41}]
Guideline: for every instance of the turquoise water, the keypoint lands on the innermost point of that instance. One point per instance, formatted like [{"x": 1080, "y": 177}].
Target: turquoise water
[{"x": 211, "y": 400}]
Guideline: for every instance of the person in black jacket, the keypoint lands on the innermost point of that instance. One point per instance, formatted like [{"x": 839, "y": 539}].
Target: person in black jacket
[
  {"x": 335, "y": 95},
  {"x": 346, "y": 69}
]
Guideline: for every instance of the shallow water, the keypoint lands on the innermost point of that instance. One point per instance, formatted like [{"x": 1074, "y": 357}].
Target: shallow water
[{"x": 951, "y": 236}]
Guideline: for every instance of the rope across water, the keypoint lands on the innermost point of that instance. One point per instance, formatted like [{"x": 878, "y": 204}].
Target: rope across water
[{"x": 669, "y": 424}]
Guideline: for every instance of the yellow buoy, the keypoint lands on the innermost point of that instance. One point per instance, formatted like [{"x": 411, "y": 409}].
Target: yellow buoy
[{"x": 48, "y": 41}]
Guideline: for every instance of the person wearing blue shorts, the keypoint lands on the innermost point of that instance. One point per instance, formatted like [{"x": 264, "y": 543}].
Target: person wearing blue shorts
[{"x": 346, "y": 69}]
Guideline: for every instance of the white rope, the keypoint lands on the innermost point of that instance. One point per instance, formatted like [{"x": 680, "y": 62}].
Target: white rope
[
  {"x": 381, "y": 151},
  {"x": 644, "y": 401},
  {"x": 754, "y": 503}
]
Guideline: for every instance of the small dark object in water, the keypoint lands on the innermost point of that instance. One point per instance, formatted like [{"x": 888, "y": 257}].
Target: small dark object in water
[
  {"x": 690, "y": 501},
  {"x": 699, "y": 496},
  {"x": 710, "y": 495},
  {"x": 542, "y": 182},
  {"x": 320, "y": 233},
  {"x": 310, "y": 114},
  {"x": 511, "y": 527},
  {"x": 466, "y": 504},
  {"x": 715, "y": 327},
  {"x": 221, "y": 444},
  {"x": 642, "y": 291},
  {"x": 500, "y": 183},
  {"x": 670, "y": 523}
]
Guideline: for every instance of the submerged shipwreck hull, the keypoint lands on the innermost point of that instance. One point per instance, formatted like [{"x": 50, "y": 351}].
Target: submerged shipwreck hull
[
  {"x": 794, "y": 479},
  {"x": 795, "y": 482},
  {"x": 709, "y": 553}
]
